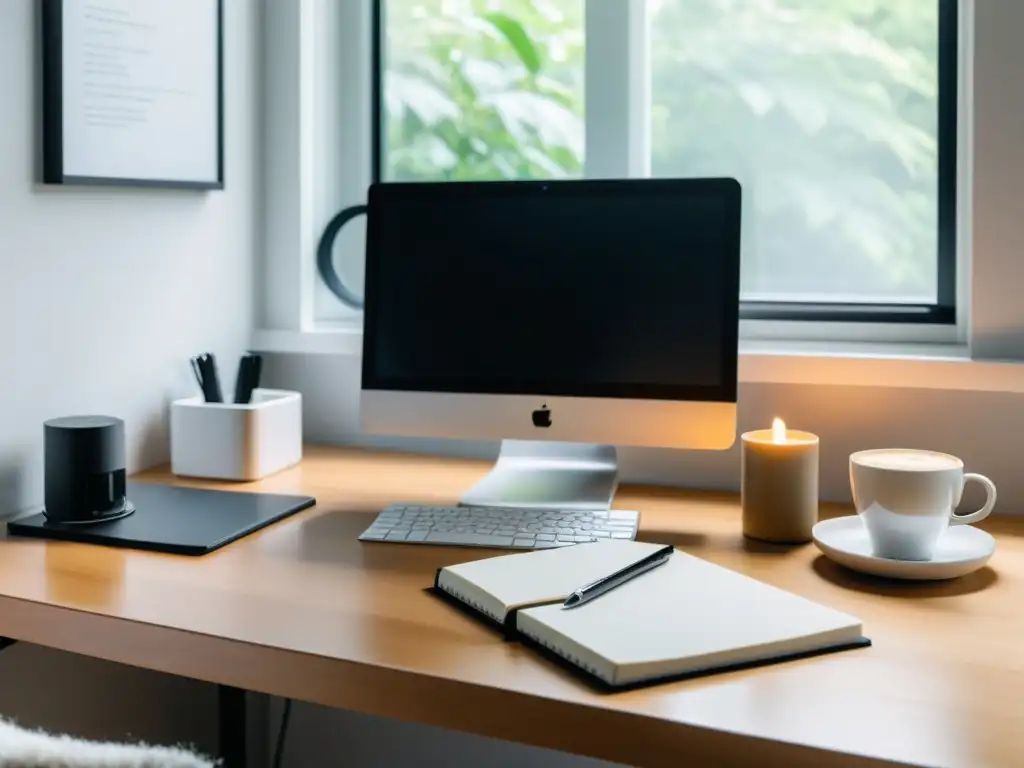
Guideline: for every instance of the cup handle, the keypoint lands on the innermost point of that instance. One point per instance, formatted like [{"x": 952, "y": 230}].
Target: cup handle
[{"x": 990, "y": 501}]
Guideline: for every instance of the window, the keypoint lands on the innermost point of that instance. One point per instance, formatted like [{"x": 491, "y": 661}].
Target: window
[
  {"x": 838, "y": 118},
  {"x": 483, "y": 90},
  {"x": 828, "y": 114}
]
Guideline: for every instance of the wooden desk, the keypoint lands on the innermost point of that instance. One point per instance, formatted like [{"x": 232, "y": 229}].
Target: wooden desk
[{"x": 304, "y": 610}]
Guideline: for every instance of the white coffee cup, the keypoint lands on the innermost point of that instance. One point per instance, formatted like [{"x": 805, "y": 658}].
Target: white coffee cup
[{"x": 907, "y": 499}]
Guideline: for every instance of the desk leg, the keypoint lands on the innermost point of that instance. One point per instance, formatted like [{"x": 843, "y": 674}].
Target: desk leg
[{"x": 231, "y": 725}]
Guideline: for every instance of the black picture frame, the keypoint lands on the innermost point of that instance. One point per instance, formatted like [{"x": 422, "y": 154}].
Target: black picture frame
[{"x": 53, "y": 128}]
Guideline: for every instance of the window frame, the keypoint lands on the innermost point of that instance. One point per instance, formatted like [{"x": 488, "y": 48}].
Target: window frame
[{"x": 617, "y": 116}]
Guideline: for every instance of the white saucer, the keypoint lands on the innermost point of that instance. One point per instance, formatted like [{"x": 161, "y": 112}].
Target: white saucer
[{"x": 962, "y": 549}]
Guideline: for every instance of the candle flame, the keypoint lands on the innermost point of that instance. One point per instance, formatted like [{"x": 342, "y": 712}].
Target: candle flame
[{"x": 778, "y": 431}]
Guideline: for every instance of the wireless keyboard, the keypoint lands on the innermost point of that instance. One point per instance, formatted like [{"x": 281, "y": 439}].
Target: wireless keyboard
[{"x": 499, "y": 527}]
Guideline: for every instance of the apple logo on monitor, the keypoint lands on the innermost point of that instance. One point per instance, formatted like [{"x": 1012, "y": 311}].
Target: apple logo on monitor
[{"x": 542, "y": 417}]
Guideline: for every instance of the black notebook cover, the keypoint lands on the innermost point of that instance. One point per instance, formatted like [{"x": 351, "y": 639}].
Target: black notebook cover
[{"x": 172, "y": 519}]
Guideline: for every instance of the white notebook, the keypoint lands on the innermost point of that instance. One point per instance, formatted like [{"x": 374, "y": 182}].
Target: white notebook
[{"x": 686, "y": 617}]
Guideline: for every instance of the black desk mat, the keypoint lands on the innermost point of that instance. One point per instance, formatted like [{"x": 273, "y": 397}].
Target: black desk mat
[{"x": 172, "y": 519}]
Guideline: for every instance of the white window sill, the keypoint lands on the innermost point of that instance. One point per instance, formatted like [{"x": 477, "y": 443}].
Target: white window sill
[
  {"x": 921, "y": 366},
  {"x": 325, "y": 339}
]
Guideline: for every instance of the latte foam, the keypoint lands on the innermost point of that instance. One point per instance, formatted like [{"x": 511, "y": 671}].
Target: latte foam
[{"x": 908, "y": 460}]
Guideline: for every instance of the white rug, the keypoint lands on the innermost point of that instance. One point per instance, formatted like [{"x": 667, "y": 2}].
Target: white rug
[{"x": 20, "y": 748}]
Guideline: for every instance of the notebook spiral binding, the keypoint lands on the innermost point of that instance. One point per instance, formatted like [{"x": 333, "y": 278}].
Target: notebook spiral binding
[
  {"x": 567, "y": 656},
  {"x": 472, "y": 603}
]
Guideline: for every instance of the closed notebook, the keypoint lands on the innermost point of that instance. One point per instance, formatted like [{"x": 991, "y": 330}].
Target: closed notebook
[{"x": 684, "y": 618}]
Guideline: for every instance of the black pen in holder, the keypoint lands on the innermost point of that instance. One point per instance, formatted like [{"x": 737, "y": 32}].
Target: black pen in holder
[
  {"x": 249, "y": 370},
  {"x": 204, "y": 367}
]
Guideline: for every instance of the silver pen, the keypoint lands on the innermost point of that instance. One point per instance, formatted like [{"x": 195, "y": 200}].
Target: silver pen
[{"x": 602, "y": 585}]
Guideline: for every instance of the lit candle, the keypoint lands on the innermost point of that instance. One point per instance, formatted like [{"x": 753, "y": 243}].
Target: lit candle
[{"x": 779, "y": 484}]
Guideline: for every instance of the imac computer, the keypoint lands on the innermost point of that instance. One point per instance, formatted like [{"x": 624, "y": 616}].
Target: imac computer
[{"x": 564, "y": 318}]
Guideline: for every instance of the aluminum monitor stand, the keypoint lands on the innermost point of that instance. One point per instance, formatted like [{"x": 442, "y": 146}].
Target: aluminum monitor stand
[{"x": 543, "y": 475}]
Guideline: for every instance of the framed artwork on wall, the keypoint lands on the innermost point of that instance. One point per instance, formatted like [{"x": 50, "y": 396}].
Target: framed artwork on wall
[{"x": 133, "y": 93}]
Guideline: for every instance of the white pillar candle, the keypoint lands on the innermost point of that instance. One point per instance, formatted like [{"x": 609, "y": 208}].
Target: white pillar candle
[{"x": 779, "y": 484}]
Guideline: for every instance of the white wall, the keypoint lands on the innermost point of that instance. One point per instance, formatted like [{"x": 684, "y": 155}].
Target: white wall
[{"x": 103, "y": 296}]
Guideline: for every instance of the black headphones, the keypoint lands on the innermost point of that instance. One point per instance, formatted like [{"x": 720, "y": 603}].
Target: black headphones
[{"x": 325, "y": 256}]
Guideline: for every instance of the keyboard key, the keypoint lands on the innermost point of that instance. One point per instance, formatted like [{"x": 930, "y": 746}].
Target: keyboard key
[
  {"x": 469, "y": 539},
  {"x": 618, "y": 514},
  {"x": 584, "y": 539},
  {"x": 396, "y": 536},
  {"x": 601, "y": 534},
  {"x": 545, "y": 537},
  {"x": 525, "y": 543},
  {"x": 622, "y": 535},
  {"x": 373, "y": 535},
  {"x": 418, "y": 535}
]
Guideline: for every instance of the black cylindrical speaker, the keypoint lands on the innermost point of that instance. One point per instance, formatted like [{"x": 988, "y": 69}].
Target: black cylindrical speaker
[{"x": 84, "y": 472}]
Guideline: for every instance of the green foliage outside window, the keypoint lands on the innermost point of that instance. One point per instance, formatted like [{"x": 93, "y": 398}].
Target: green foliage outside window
[{"x": 826, "y": 111}]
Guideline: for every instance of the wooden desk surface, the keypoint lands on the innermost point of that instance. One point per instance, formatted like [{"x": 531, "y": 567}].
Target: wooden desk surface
[{"x": 304, "y": 610}]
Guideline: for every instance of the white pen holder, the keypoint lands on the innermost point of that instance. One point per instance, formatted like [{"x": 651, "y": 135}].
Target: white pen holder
[{"x": 236, "y": 442}]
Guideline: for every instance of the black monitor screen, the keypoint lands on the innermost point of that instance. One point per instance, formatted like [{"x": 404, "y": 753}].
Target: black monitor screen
[{"x": 576, "y": 288}]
